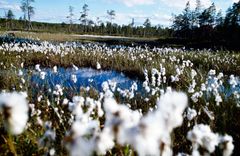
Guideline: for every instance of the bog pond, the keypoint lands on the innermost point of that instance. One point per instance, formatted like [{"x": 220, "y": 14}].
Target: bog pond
[{"x": 76, "y": 78}]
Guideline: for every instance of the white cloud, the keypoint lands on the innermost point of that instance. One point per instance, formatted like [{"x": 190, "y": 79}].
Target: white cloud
[
  {"x": 162, "y": 19},
  {"x": 177, "y": 4},
  {"x": 6, "y": 5},
  {"x": 235, "y": 1},
  {"x": 158, "y": 17},
  {"x": 140, "y": 17},
  {"x": 180, "y": 4},
  {"x": 125, "y": 18},
  {"x": 131, "y": 3}
]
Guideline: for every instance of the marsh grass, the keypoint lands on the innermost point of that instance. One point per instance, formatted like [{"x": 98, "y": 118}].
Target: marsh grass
[
  {"x": 123, "y": 63},
  {"x": 226, "y": 114},
  {"x": 63, "y": 37},
  {"x": 43, "y": 36}
]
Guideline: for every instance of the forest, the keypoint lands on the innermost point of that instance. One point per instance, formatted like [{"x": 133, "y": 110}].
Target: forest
[{"x": 201, "y": 27}]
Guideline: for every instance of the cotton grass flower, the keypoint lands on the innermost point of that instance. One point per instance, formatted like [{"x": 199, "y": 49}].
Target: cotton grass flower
[
  {"x": 191, "y": 114},
  {"x": 14, "y": 107},
  {"x": 74, "y": 78},
  {"x": 227, "y": 145},
  {"x": 172, "y": 103},
  {"x": 20, "y": 72},
  {"x": 37, "y": 68},
  {"x": 201, "y": 135},
  {"x": 150, "y": 132},
  {"x": 98, "y": 66},
  {"x": 55, "y": 69},
  {"x": 43, "y": 75}
]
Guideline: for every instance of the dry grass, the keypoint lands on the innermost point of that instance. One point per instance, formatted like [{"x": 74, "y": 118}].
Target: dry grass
[
  {"x": 63, "y": 37},
  {"x": 46, "y": 36}
]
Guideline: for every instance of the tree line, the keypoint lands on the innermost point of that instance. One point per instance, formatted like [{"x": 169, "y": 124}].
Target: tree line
[
  {"x": 208, "y": 25},
  {"x": 85, "y": 24}
]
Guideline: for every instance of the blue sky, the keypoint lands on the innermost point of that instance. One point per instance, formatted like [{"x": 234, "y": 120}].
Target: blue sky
[{"x": 159, "y": 11}]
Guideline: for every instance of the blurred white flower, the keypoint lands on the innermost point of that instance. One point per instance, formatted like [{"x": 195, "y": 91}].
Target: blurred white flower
[
  {"x": 105, "y": 86},
  {"x": 220, "y": 75},
  {"x": 98, "y": 66},
  {"x": 227, "y": 145},
  {"x": 233, "y": 81},
  {"x": 15, "y": 111},
  {"x": 218, "y": 99},
  {"x": 191, "y": 114},
  {"x": 212, "y": 72},
  {"x": 37, "y": 67},
  {"x": 52, "y": 151},
  {"x": 201, "y": 135},
  {"x": 65, "y": 101},
  {"x": 193, "y": 73},
  {"x": 104, "y": 141},
  {"x": 75, "y": 67},
  {"x": 43, "y": 75},
  {"x": 20, "y": 72},
  {"x": 55, "y": 69},
  {"x": 203, "y": 87},
  {"x": 74, "y": 78},
  {"x": 172, "y": 103},
  {"x": 58, "y": 90}
]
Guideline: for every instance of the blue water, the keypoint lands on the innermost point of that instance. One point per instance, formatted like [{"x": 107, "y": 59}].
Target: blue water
[{"x": 86, "y": 77}]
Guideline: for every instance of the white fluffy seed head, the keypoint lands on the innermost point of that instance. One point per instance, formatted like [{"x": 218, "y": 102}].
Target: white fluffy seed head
[
  {"x": 15, "y": 111},
  {"x": 172, "y": 103}
]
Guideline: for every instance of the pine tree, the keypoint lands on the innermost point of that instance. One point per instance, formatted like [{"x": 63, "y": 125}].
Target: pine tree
[
  {"x": 84, "y": 16},
  {"x": 28, "y": 11},
  {"x": 197, "y": 13},
  {"x": 207, "y": 18},
  {"x": 70, "y": 17},
  {"x": 111, "y": 15}
]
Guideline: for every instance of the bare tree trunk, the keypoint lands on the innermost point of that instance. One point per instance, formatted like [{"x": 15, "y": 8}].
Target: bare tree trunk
[
  {"x": 6, "y": 24},
  {"x": 11, "y": 24},
  {"x": 29, "y": 21},
  {"x": 29, "y": 26}
]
